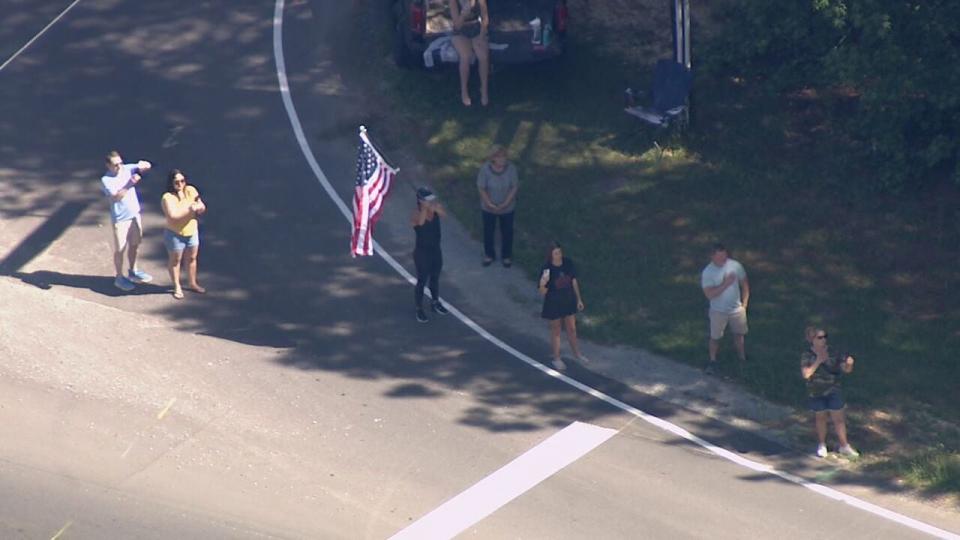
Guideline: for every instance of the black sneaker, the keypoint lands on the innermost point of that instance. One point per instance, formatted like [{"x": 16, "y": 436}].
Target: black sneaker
[
  {"x": 421, "y": 316},
  {"x": 437, "y": 307},
  {"x": 710, "y": 370}
]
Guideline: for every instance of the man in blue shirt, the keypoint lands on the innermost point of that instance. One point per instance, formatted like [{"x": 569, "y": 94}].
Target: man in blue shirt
[{"x": 119, "y": 185}]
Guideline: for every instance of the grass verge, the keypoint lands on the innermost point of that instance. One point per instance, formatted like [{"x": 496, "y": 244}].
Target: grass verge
[{"x": 638, "y": 208}]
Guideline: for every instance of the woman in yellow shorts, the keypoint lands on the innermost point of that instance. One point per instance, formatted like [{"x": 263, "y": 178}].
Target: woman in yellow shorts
[{"x": 181, "y": 206}]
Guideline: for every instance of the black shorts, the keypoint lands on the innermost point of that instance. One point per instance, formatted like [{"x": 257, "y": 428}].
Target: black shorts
[
  {"x": 558, "y": 304},
  {"x": 469, "y": 31}
]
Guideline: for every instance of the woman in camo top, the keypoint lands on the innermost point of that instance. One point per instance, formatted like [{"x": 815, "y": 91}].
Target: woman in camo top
[{"x": 822, "y": 370}]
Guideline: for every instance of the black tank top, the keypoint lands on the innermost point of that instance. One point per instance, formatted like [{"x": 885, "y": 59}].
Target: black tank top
[
  {"x": 428, "y": 234},
  {"x": 471, "y": 8}
]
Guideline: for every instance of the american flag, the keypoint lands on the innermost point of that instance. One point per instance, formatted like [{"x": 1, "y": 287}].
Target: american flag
[{"x": 374, "y": 178}]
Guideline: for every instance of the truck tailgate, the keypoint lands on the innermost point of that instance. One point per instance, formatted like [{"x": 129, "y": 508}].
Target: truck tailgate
[{"x": 505, "y": 15}]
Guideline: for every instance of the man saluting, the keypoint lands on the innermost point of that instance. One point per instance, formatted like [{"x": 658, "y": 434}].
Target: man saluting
[{"x": 119, "y": 185}]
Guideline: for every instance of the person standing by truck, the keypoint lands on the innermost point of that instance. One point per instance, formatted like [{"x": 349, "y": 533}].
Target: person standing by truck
[{"x": 471, "y": 21}]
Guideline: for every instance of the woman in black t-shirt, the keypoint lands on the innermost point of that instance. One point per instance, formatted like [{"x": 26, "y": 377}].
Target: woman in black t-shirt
[{"x": 561, "y": 302}]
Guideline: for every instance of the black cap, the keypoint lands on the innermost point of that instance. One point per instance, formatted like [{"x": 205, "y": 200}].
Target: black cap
[{"x": 424, "y": 194}]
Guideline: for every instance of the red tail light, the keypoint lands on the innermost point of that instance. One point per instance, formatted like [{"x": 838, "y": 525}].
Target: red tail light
[
  {"x": 560, "y": 16},
  {"x": 418, "y": 18}
]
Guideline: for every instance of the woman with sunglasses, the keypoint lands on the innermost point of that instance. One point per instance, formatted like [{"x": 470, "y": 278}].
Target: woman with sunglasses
[
  {"x": 181, "y": 206},
  {"x": 822, "y": 371}
]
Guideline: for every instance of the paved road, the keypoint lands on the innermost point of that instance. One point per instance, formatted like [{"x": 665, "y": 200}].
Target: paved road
[{"x": 299, "y": 398}]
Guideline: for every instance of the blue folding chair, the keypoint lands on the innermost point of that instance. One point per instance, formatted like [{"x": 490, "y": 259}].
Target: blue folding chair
[{"x": 670, "y": 96}]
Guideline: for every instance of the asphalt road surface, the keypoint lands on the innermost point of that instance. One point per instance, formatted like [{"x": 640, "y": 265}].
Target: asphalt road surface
[{"x": 299, "y": 398}]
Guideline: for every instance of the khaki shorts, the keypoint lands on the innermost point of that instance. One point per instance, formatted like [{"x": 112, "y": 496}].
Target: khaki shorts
[
  {"x": 719, "y": 321},
  {"x": 127, "y": 233}
]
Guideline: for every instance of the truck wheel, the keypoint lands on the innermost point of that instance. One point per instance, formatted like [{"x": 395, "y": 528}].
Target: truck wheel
[{"x": 402, "y": 55}]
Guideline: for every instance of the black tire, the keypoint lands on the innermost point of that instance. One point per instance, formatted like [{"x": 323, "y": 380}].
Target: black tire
[
  {"x": 566, "y": 43},
  {"x": 402, "y": 55}
]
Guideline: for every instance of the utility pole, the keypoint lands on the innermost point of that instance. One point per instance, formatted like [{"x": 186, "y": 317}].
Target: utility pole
[{"x": 680, "y": 14}]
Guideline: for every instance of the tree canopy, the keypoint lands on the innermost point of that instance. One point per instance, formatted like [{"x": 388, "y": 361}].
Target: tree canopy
[{"x": 897, "y": 60}]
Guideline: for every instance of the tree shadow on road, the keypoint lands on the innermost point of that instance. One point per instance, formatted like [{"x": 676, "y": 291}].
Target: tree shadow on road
[
  {"x": 274, "y": 253},
  {"x": 48, "y": 279}
]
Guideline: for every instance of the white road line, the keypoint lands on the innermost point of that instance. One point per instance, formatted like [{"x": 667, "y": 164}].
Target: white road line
[
  {"x": 171, "y": 139},
  {"x": 509, "y": 482},
  {"x": 166, "y": 409},
  {"x": 62, "y": 530},
  {"x": 45, "y": 28},
  {"x": 653, "y": 420}
]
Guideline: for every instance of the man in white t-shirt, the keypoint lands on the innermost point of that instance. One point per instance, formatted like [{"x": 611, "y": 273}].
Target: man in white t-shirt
[
  {"x": 119, "y": 185},
  {"x": 724, "y": 283}
]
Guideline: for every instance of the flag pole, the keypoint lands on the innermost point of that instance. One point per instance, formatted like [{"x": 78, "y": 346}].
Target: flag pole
[{"x": 366, "y": 137}]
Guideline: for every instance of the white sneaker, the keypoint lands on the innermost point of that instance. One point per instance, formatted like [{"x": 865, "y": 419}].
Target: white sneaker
[
  {"x": 559, "y": 365},
  {"x": 821, "y": 450},
  {"x": 139, "y": 276},
  {"x": 848, "y": 451}
]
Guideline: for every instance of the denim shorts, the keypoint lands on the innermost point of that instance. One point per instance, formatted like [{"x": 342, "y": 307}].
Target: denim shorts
[
  {"x": 827, "y": 402},
  {"x": 178, "y": 243}
]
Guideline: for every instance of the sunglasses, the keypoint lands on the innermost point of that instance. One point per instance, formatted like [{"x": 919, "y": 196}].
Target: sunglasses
[{"x": 823, "y": 336}]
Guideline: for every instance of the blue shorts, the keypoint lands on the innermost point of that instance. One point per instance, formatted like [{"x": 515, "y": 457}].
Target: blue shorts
[
  {"x": 827, "y": 402},
  {"x": 178, "y": 243}
]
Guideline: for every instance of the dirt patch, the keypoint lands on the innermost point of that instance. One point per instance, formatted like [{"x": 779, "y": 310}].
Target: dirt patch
[
  {"x": 639, "y": 31},
  {"x": 636, "y": 31}
]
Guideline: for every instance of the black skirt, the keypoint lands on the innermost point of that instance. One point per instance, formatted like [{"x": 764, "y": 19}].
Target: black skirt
[
  {"x": 559, "y": 303},
  {"x": 470, "y": 30}
]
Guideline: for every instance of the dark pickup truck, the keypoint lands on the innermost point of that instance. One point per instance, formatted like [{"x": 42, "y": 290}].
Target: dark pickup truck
[{"x": 521, "y": 31}]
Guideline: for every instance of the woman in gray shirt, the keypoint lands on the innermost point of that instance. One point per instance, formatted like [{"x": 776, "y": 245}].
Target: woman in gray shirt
[{"x": 497, "y": 184}]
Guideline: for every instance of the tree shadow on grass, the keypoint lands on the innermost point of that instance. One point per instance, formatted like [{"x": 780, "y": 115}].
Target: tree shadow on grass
[{"x": 816, "y": 250}]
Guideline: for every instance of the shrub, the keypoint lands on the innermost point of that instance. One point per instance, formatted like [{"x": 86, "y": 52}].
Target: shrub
[{"x": 899, "y": 60}]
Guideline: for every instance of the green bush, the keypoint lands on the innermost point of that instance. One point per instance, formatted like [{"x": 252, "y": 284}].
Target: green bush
[{"x": 897, "y": 61}]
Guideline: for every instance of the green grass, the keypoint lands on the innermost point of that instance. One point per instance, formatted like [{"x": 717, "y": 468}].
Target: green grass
[
  {"x": 937, "y": 469},
  {"x": 637, "y": 209}
]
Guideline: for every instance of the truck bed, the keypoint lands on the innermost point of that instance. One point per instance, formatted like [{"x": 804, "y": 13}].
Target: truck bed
[{"x": 509, "y": 27}]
